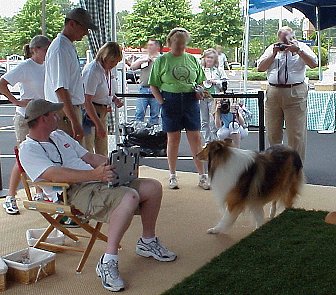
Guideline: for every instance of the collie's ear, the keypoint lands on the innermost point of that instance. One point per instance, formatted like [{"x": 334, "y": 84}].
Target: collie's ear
[
  {"x": 203, "y": 154},
  {"x": 228, "y": 142},
  {"x": 218, "y": 152}
]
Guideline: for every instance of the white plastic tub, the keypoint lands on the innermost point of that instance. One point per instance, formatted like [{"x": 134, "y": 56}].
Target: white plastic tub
[
  {"x": 3, "y": 271},
  {"x": 56, "y": 237}
]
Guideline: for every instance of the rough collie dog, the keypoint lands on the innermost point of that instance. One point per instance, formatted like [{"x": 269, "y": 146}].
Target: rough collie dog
[{"x": 243, "y": 179}]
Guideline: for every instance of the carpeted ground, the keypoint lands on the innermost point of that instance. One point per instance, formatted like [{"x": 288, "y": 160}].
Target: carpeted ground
[
  {"x": 292, "y": 254},
  {"x": 185, "y": 216}
]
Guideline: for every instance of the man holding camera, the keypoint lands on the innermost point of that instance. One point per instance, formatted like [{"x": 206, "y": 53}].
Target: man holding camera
[{"x": 285, "y": 63}]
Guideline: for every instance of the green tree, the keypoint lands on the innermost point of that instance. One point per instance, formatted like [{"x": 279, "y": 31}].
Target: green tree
[
  {"x": 6, "y": 28},
  {"x": 219, "y": 22},
  {"x": 121, "y": 21},
  {"x": 155, "y": 19},
  {"x": 27, "y": 23}
]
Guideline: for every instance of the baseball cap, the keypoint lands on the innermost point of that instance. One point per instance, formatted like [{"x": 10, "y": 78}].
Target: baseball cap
[
  {"x": 39, "y": 107},
  {"x": 82, "y": 16}
]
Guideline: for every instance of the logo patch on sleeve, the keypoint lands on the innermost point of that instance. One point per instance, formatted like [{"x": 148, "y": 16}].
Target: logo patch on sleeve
[{"x": 66, "y": 145}]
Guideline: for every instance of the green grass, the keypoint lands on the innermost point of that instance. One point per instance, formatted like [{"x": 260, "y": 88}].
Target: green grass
[{"x": 293, "y": 254}]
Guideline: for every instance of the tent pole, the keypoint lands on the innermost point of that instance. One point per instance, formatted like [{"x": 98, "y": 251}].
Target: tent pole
[
  {"x": 246, "y": 45},
  {"x": 318, "y": 30},
  {"x": 113, "y": 21}
]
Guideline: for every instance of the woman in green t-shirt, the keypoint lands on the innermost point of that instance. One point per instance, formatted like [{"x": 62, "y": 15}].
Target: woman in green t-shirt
[{"x": 173, "y": 78}]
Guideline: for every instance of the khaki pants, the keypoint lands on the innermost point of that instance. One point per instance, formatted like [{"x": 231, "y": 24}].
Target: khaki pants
[
  {"x": 92, "y": 142},
  {"x": 96, "y": 200},
  {"x": 64, "y": 122},
  {"x": 287, "y": 105}
]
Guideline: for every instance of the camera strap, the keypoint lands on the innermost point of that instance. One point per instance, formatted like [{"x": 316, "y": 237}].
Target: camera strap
[{"x": 286, "y": 71}]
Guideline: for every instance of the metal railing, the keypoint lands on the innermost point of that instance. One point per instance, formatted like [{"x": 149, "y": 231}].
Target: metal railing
[{"x": 259, "y": 96}]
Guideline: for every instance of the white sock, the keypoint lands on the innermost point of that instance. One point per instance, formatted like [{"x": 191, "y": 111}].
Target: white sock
[
  {"x": 202, "y": 175},
  {"x": 8, "y": 198},
  {"x": 147, "y": 241},
  {"x": 172, "y": 175},
  {"x": 108, "y": 257}
]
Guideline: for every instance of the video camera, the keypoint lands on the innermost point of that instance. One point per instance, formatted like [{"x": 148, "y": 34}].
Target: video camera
[{"x": 225, "y": 106}]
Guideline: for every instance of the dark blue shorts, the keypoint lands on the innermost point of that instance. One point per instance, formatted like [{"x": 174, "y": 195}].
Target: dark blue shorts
[{"x": 180, "y": 111}]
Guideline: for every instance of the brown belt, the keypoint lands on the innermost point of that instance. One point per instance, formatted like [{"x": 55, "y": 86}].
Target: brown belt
[{"x": 285, "y": 85}]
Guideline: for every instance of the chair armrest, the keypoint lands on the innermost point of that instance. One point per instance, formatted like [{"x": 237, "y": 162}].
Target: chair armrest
[{"x": 48, "y": 183}]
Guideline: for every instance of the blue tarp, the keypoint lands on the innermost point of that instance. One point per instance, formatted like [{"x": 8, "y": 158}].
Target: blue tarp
[
  {"x": 307, "y": 7},
  {"x": 327, "y": 11},
  {"x": 261, "y": 5}
]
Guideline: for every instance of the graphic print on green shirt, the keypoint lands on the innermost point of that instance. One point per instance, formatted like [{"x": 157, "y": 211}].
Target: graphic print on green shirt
[{"x": 177, "y": 74}]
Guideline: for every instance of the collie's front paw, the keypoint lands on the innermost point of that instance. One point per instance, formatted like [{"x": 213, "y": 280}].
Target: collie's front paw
[{"x": 213, "y": 230}]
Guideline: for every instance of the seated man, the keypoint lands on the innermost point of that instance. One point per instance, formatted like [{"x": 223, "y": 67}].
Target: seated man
[{"x": 52, "y": 155}]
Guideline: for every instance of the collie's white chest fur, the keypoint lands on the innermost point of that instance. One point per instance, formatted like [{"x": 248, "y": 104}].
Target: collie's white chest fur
[{"x": 228, "y": 173}]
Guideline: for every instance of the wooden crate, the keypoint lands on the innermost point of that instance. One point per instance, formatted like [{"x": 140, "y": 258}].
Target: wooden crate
[
  {"x": 41, "y": 264},
  {"x": 2, "y": 282},
  {"x": 30, "y": 276},
  {"x": 3, "y": 271}
]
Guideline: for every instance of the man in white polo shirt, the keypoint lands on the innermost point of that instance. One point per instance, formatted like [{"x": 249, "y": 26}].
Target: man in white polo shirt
[
  {"x": 63, "y": 80},
  {"x": 287, "y": 92}
]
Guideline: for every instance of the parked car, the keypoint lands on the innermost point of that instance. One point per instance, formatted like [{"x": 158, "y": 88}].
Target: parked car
[
  {"x": 132, "y": 76},
  {"x": 2, "y": 71},
  {"x": 235, "y": 65},
  {"x": 82, "y": 62}
]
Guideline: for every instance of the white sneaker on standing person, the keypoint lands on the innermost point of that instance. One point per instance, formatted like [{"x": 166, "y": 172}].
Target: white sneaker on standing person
[
  {"x": 29, "y": 75},
  {"x": 63, "y": 80},
  {"x": 213, "y": 84},
  {"x": 145, "y": 65}
]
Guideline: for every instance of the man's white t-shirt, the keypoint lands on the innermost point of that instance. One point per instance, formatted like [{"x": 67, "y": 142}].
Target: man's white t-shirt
[
  {"x": 296, "y": 67},
  {"x": 222, "y": 59},
  {"x": 30, "y": 75},
  {"x": 98, "y": 83},
  {"x": 63, "y": 71},
  {"x": 36, "y": 157}
]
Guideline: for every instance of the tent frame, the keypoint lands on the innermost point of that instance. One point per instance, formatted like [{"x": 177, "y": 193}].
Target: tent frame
[{"x": 247, "y": 39}]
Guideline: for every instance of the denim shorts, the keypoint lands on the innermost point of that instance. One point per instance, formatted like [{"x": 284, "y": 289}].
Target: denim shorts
[{"x": 180, "y": 111}]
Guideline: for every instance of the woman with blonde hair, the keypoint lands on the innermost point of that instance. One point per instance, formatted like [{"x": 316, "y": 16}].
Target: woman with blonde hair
[
  {"x": 213, "y": 84},
  {"x": 173, "y": 79},
  {"x": 30, "y": 76},
  {"x": 99, "y": 88}
]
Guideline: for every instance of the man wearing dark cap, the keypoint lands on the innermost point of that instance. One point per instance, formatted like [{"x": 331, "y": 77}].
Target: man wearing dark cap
[
  {"x": 52, "y": 155},
  {"x": 63, "y": 80}
]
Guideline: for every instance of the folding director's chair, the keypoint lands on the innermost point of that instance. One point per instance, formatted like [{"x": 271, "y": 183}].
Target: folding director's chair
[{"x": 53, "y": 213}]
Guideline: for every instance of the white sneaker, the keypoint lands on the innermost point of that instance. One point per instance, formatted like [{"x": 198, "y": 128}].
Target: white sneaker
[
  {"x": 154, "y": 249},
  {"x": 173, "y": 184},
  {"x": 204, "y": 182},
  {"x": 10, "y": 206},
  {"x": 109, "y": 274},
  {"x": 39, "y": 197}
]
